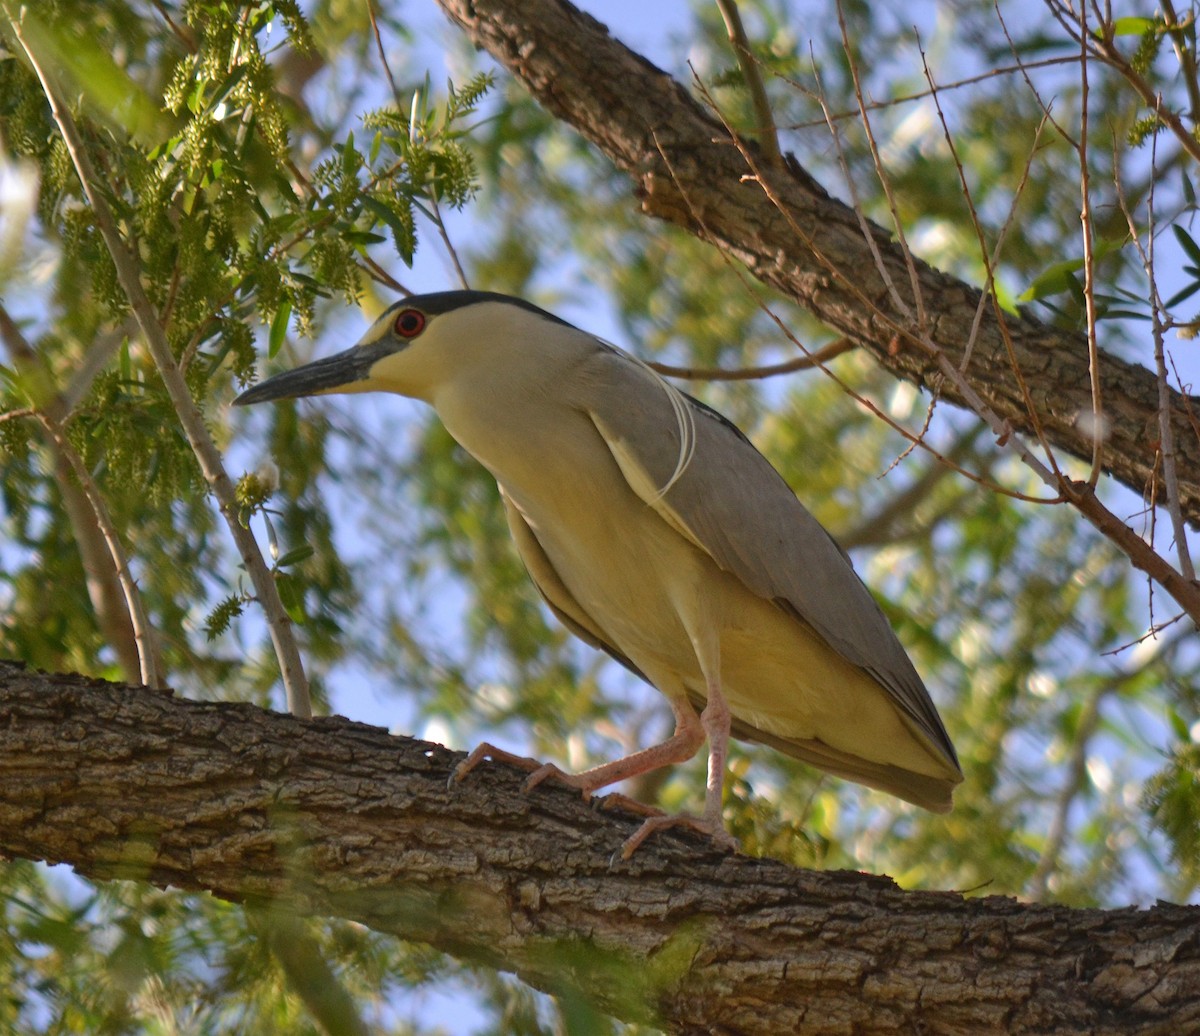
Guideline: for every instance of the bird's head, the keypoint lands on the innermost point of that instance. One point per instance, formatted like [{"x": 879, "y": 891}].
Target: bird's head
[{"x": 414, "y": 346}]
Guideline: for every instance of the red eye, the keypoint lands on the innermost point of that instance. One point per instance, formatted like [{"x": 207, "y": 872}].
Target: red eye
[{"x": 409, "y": 323}]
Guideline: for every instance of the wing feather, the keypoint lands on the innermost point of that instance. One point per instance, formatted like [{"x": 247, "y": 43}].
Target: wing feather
[
  {"x": 554, "y": 592},
  {"x": 732, "y": 504}
]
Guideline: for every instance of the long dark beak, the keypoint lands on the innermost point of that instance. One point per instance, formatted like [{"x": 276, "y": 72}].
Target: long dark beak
[{"x": 332, "y": 374}]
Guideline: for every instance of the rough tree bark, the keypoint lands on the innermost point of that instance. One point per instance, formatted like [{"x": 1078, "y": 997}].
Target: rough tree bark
[
  {"x": 792, "y": 235},
  {"x": 340, "y": 819}
]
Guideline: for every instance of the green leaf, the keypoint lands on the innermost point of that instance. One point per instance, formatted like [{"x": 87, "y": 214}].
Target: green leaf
[
  {"x": 1133, "y": 26},
  {"x": 292, "y": 557},
  {"x": 1182, "y": 294},
  {"x": 1187, "y": 243},
  {"x": 1061, "y": 277},
  {"x": 403, "y": 232},
  {"x": 362, "y": 237},
  {"x": 279, "y": 327},
  {"x": 290, "y": 597},
  {"x": 1053, "y": 280}
]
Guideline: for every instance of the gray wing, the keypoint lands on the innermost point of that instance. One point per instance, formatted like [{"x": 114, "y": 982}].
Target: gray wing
[
  {"x": 554, "y": 592},
  {"x": 732, "y": 504}
]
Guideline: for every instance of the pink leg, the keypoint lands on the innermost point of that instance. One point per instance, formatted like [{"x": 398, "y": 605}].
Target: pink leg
[
  {"x": 716, "y": 722},
  {"x": 678, "y": 748}
]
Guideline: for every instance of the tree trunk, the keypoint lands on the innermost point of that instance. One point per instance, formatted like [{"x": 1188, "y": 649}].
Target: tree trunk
[
  {"x": 689, "y": 170},
  {"x": 337, "y": 818}
]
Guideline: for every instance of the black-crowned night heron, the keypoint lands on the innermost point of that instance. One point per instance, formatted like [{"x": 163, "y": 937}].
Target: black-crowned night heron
[{"x": 656, "y": 532}]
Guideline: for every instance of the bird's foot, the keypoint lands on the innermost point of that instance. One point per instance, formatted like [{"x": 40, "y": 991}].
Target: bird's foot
[
  {"x": 539, "y": 771},
  {"x": 711, "y": 826}
]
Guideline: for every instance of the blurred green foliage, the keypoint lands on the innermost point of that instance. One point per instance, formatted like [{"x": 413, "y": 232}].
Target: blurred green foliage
[{"x": 266, "y": 175}]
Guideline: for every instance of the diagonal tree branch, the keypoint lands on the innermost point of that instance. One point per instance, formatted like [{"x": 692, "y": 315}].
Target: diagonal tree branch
[
  {"x": 337, "y": 818},
  {"x": 688, "y": 171}
]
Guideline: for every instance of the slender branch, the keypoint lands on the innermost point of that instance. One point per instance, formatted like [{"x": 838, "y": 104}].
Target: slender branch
[
  {"x": 382, "y": 52},
  {"x": 292, "y": 942},
  {"x": 190, "y": 417},
  {"x": 879, "y": 527},
  {"x": 379, "y": 274},
  {"x": 768, "y": 136},
  {"x": 97, "y": 356},
  {"x": 1166, "y": 432},
  {"x": 898, "y": 301},
  {"x": 1006, "y": 437},
  {"x": 1103, "y": 45},
  {"x": 1184, "y": 55},
  {"x": 150, "y": 663},
  {"x": 1089, "y": 262},
  {"x": 885, "y": 182},
  {"x": 800, "y": 363},
  {"x": 114, "y": 600},
  {"x": 989, "y": 296},
  {"x": 918, "y": 95},
  {"x": 435, "y": 213},
  {"x": 1073, "y": 784}
]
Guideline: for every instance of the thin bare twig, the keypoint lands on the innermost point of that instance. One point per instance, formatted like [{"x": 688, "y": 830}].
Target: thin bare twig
[
  {"x": 989, "y": 296},
  {"x": 1183, "y": 54},
  {"x": 1006, "y": 437},
  {"x": 209, "y": 457},
  {"x": 990, "y": 260},
  {"x": 1089, "y": 261},
  {"x": 1023, "y": 66},
  {"x": 1056, "y": 834},
  {"x": 898, "y": 300},
  {"x": 768, "y": 136},
  {"x": 98, "y": 356},
  {"x": 1165, "y": 431},
  {"x": 879, "y": 527},
  {"x": 800, "y": 363},
  {"x": 916, "y": 95},
  {"x": 378, "y": 273},
  {"x": 435, "y": 213},
  {"x": 387, "y": 68},
  {"x": 181, "y": 32}
]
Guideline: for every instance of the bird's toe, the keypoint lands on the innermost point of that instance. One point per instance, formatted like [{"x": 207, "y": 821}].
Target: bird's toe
[{"x": 714, "y": 828}]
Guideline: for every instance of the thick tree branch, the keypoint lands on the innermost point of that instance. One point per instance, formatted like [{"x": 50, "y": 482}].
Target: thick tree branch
[
  {"x": 688, "y": 171},
  {"x": 337, "y": 818}
]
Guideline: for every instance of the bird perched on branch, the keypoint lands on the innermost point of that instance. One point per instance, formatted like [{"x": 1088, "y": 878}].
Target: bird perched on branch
[{"x": 656, "y": 532}]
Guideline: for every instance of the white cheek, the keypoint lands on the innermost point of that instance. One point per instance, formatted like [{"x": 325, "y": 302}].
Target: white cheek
[{"x": 406, "y": 372}]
